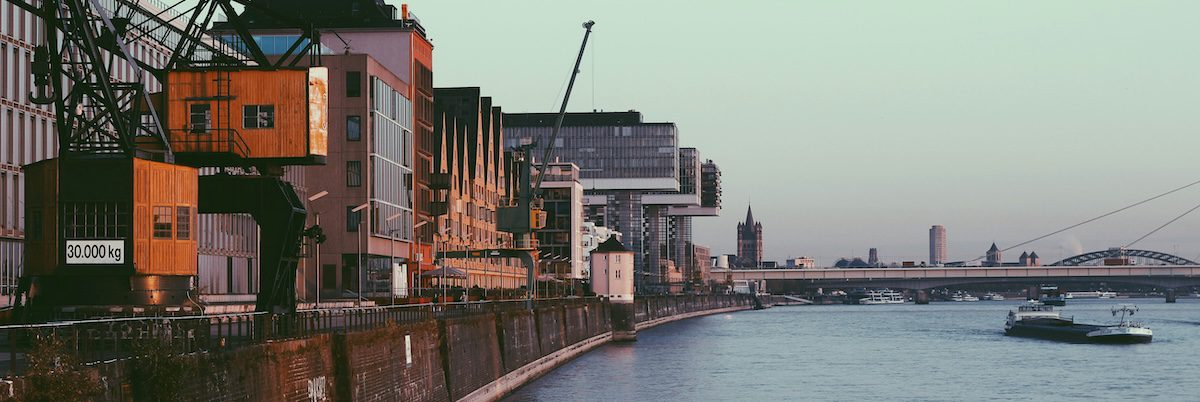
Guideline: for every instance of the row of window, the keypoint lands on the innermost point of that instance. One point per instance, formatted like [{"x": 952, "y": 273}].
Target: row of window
[
  {"x": 253, "y": 117},
  {"x": 172, "y": 222}
]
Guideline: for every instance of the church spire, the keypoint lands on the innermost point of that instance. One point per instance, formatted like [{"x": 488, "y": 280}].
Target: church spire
[{"x": 749, "y": 216}]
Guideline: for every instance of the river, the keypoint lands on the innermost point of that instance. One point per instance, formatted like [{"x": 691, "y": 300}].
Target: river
[{"x": 941, "y": 351}]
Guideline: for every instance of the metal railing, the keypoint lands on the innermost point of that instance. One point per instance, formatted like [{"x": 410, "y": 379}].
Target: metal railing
[
  {"x": 97, "y": 340},
  {"x": 210, "y": 140}
]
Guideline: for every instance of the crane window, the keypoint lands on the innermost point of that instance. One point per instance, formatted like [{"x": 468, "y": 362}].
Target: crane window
[
  {"x": 183, "y": 223},
  {"x": 258, "y": 116},
  {"x": 163, "y": 219},
  {"x": 200, "y": 117}
]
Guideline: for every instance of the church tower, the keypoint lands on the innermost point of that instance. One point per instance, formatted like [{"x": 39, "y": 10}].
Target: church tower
[{"x": 749, "y": 243}]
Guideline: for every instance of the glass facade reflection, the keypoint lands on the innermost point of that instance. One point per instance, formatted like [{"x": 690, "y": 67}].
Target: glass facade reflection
[{"x": 391, "y": 161}]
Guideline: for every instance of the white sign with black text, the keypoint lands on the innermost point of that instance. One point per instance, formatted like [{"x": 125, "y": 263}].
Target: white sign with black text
[{"x": 95, "y": 251}]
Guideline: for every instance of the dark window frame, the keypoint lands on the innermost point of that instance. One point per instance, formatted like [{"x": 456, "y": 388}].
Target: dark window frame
[
  {"x": 356, "y": 122},
  {"x": 160, "y": 229},
  {"x": 354, "y": 84},
  {"x": 354, "y": 176},
  {"x": 199, "y": 122},
  {"x": 183, "y": 222},
  {"x": 258, "y": 116},
  {"x": 353, "y": 219}
]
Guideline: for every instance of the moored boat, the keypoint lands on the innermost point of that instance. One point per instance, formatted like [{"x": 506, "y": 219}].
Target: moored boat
[{"x": 884, "y": 296}]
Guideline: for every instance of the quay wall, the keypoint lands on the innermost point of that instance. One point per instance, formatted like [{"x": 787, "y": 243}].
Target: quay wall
[{"x": 479, "y": 356}]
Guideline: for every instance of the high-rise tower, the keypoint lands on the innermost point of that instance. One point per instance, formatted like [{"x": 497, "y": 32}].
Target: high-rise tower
[
  {"x": 750, "y": 247},
  {"x": 937, "y": 245}
]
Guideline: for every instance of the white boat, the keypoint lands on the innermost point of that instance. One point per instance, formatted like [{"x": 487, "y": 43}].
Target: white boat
[
  {"x": 993, "y": 296},
  {"x": 963, "y": 297},
  {"x": 1107, "y": 295},
  {"x": 883, "y": 296}
]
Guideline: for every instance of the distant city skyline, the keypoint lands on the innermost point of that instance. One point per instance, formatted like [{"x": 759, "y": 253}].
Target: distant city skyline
[{"x": 853, "y": 127}]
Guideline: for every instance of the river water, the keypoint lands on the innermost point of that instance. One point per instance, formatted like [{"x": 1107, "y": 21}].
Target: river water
[{"x": 941, "y": 351}]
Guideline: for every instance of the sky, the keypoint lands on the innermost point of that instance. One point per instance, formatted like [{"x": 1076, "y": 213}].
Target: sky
[{"x": 858, "y": 124}]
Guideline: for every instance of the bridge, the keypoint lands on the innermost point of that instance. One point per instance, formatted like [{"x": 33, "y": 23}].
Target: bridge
[{"x": 1162, "y": 276}]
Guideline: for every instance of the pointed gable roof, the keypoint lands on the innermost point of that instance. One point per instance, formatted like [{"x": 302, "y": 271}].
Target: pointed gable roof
[
  {"x": 994, "y": 248},
  {"x": 612, "y": 245}
]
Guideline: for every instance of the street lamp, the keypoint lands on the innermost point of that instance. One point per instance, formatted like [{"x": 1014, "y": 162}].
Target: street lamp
[
  {"x": 421, "y": 257},
  {"x": 317, "y": 257},
  {"x": 392, "y": 254},
  {"x": 361, "y": 271}
]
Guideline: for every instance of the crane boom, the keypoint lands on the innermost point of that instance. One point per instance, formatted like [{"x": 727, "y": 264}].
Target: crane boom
[{"x": 562, "y": 111}]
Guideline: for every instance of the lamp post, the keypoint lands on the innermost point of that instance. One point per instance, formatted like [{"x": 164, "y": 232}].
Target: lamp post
[
  {"x": 317, "y": 246},
  {"x": 392, "y": 254},
  {"x": 361, "y": 270}
]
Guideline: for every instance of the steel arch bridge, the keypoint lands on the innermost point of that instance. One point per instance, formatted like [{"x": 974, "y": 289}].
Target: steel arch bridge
[{"x": 1116, "y": 253}]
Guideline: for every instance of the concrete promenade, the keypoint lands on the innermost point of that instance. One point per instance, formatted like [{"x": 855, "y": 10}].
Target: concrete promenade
[{"x": 475, "y": 355}]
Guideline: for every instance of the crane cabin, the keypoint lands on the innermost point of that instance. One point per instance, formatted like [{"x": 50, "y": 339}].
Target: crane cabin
[{"x": 220, "y": 117}]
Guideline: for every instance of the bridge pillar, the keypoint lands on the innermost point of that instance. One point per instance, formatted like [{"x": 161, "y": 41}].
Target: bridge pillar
[
  {"x": 922, "y": 297},
  {"x": 1170, "y": 293},
  {"x": 1033, "y": 293}
]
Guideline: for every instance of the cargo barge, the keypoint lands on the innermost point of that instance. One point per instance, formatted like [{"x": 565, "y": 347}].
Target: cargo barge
[{"x": 1037, "y": 320}]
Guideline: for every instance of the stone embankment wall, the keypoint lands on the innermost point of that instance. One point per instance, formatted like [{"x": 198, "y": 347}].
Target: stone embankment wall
[{"x": 473, "y": 357}]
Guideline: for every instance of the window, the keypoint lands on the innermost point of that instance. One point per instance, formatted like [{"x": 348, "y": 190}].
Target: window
[
  {"x": 352, "y": 219},
  {"x": 162, "y": 222},
  {"x": 183, "y": 223},
  {"x": 258, "y": 116},
  {"x": 329, "y": 276},
  {"x": 200, "y": 117},
  {"x": 353, "y": 128},
  {"x": 353, "y": 173},
  {"x": 353, "y": 84},
  {"x": 92, "y": 220}
]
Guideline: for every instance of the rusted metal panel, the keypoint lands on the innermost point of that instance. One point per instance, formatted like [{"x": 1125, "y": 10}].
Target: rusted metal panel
[{"x": 318, "y": 111}]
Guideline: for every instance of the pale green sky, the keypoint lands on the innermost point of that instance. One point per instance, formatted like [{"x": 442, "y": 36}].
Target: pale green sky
[{"x": 856, "y": 124}]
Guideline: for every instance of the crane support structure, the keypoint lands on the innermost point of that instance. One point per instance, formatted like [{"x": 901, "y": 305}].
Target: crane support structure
[{"x": 113, "y": 219}]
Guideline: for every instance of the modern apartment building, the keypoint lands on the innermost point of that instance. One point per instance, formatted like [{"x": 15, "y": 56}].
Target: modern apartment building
[
  {"x": 561, "y": 241},
  {"x": 380, "y": 136},
  {"x": 636, "y": 180},
  {"x": 469, "y": 185}
]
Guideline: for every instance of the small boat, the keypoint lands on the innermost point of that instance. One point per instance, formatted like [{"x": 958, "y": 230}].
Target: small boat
[
  {"x": 883, "y": 297},
  {"x": 1038, "y": 320},
  {"x": 1106, "y": 295},
  {"x": 963, "y": 297},
  {"x": 993, "y": 296},
  {"x": 1053, "y": 297}
]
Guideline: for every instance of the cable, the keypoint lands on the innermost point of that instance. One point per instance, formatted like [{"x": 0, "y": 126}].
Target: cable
[
  {"x": 1101, "y": 217},
  {"x": 1163, "y": 226}
]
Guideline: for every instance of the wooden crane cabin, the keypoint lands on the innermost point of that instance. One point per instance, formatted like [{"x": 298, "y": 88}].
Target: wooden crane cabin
[
  {"x": 221, "y": 117},
  {"x": 110, "y": 231}
]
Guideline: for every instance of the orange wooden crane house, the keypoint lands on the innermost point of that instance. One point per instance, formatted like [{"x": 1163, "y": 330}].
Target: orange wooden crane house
[{"x": 112, "y": 221}]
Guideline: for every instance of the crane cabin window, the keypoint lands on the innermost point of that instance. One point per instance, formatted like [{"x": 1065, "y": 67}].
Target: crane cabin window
[
  {"x": 183, "y": 223},
  {"x": 163, "y": 219},
  {"x": 200, "y": 117},
  {"x": 258, "y": 116}
]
